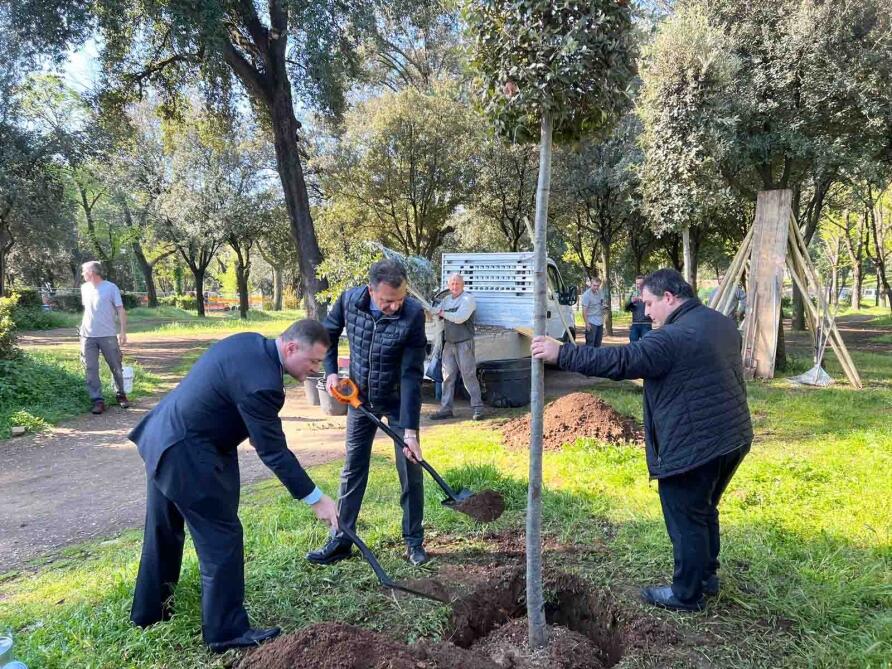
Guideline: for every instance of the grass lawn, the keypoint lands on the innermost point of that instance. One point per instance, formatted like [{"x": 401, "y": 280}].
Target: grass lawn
[
  {"x": 46, "y": 385},
  {"x": 807, "y": 545}
]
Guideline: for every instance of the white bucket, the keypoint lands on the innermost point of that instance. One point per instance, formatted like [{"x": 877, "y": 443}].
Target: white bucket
[{"x": 127, "y": 373}]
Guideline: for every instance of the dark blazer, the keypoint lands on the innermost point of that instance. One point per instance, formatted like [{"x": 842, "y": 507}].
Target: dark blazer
[
  {"x": 386, "y": 353},
  {"x": 234, "y": 391},
  {"x": 695, "y": 406}
]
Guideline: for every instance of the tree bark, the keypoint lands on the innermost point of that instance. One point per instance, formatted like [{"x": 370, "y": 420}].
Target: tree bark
[
  {"x": 148, "y": 274},
  {"x": 278, "y": 288},
  {"x": 6, "y": 243},
  {"x": 606, "y": 267},
  {"x": 242, "y": 272},
  {"x": 535, "y": 596},
  {"x": 198, "y": 278},
  {"x": 686, "y": 251}
]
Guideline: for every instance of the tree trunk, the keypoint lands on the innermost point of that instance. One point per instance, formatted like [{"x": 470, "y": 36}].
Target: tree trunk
[
  {"x": 198, "y": 278},
  {"x": 857, "y": 281},
  {"x": 148, "y": 274},
  {"x": 780, "y": 358},
  {"x": 278, "y": 288},
  {"x": 6, "y": 243},
  {"x": 606, "y": 267},
  {"x": 285, "y": 128},
  {"x": 688, "y": 255},
  {"x": 535, "y": 597},
  {"x": 242, "y": 272}
]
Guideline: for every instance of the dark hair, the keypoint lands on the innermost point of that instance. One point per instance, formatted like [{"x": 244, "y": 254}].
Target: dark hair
[
  {"x": 639, "y": 276},
  {"x": 668, "y": 281},
  {"x": 307, "y": 332},
  {"x": 389, "y": 271}
]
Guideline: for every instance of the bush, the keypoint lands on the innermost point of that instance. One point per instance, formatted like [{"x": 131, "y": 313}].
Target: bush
[
  {"x": 29, "y": 297},
  {"x": 130, "y": 300},
  {"x": 186, "y": 302},
  {"x": 35, "y": 318},
  {"x": 8, "y": 349},
  {"x": 68, "y": 303}
]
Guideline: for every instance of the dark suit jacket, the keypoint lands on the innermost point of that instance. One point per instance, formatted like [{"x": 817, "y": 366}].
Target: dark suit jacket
[{"x": 233, "y": 391}]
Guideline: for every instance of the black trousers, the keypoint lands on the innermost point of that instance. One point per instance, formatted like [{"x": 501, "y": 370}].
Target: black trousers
[
  {"x": 355, "y": 477},
  {"x": 195, "y": 484},
  {"x": 690, "y": 507},
  {"x": 594, "y": 335}
]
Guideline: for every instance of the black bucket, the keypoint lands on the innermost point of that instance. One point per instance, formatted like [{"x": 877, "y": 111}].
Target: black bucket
[{"x": 505, "y": 383}]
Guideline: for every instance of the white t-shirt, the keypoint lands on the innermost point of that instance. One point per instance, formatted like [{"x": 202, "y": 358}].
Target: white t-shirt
[
  {"x": 593, "y": 303},
  {"x": 100, "y": 309}
]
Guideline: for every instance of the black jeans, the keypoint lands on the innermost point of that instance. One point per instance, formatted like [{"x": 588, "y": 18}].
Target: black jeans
[
  {"x": 355, "y": 477},
  {"x": 196, "y": 484},
  {"x": 593, "y": 335},
  {"x": 690, "y": 508},
  {"x": 638, "y": 330}
]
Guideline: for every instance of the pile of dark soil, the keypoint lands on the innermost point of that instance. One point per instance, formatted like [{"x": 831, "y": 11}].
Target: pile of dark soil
[
  {"x": 487, "y": 630},
  {"x": 484, "y": 506},
  {"x": 573, "y": 416}
]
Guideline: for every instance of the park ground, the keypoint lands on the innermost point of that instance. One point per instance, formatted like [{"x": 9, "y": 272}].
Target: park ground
[{"x": 807, "y": 523}]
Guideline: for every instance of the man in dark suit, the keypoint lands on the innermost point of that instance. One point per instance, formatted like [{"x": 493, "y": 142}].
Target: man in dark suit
[
  {"x": 188, "y": 443},
  {"x": 385, "y": 329},
  {"x": 697, "y": 424}
]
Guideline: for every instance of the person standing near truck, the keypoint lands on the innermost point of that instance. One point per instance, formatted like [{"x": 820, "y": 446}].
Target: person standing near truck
[
  {"x": 98, "y": 333},
  {"x": 593, "y": 308},
  {"x": 641, "y": 322},
  {"x": 457, "y": 310}
]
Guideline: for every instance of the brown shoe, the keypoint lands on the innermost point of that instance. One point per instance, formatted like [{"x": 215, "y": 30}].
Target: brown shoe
[
  {"x": 123, "y": 402},
  {"x": 98, "y": 407}
]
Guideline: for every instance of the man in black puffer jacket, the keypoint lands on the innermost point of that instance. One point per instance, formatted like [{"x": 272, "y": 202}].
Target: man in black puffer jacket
[
  {"x": 385, "y": 330},
  {"x": 696, "y": 421}
]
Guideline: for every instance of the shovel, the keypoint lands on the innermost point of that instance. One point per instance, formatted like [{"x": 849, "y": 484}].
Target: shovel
[
  {"x": 383, "y": 578},
  {"x": 348, "y": 393}
]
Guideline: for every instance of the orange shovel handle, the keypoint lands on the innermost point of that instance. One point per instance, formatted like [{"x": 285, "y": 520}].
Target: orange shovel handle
[{"x": 346, "y": 392}]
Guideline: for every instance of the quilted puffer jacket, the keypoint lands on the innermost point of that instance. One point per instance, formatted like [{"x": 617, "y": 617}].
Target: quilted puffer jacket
[
  {"x": 386, "y": 353},
  {"x": 695, "y": 406}
]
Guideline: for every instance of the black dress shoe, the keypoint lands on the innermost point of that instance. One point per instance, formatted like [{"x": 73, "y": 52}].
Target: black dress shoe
[
  {"x": 662, "y": 596},
  {"x": 250, "y": 637},
  {"x": 711, "y": 586},
  {"x": 417, "y": 555},
  {"x": 334, "y": 551}
]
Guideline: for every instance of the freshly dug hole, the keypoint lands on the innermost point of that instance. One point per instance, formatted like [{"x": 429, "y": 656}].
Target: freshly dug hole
[
  {"x": 487, "y": 630},
  {"x": 573, "y": 416}
]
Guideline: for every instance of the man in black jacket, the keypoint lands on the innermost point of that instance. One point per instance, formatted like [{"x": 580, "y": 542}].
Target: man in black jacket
[
  {"x": 385, "y": 330},
  {"x": 696, "y": 421},
  {"x": 189, "y": 444}
]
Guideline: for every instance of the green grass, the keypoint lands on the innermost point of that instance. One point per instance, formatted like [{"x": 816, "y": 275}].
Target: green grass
[
  {"x": 45, "y": 386},
  {"x": 807, "y": 544},
  {"x": 176, "y": 322}
]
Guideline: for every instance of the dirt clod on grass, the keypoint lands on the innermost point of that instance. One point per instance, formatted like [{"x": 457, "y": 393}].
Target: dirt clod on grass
[
  {"x": 573, "y": 416},
  {"x": 508, "y": 646},
  {"x": 484, "y": 507}
]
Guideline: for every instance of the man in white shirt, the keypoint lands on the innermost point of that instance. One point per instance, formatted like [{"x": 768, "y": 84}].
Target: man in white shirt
[
  {"x": 99, "y": 333},
  {"x": 593, "y": 308},
  {"x": 457, "y": 310}
]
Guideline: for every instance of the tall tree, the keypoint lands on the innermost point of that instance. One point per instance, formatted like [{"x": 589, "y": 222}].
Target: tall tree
[
  {"x": 402, "y": 167},
  {"x": 548, "y": 70},
  {"x": 277, "y": 50}
]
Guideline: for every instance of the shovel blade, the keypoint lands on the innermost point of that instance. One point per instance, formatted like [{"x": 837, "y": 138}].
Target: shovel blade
[{"x": 462, "y": 495}]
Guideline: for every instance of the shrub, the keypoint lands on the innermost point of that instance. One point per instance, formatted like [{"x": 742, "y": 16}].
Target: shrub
[
  {"x": 130, "y": 300},
  {"x": 35, "y": 318},
  {"x": 29, "y": 297},
  {"x": 187, "y": 302},
  {"x": 68, "y": 303},
  {"x": 8, "y": 349}
]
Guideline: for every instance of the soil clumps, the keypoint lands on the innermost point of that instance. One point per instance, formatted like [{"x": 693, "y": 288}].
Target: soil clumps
[
  {"x": 573, "y": 416},
  {"x": 484, "y": 507}
]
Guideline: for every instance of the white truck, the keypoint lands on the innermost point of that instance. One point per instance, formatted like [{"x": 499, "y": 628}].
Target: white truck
[{"x": 502, "y": 285}]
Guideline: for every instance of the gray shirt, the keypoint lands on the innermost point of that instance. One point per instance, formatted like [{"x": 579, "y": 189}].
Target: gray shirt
[
  {"x": 593, "y": 303},
  {"x": 458, "y": 312},
  {"x": 100, "y": 308}
]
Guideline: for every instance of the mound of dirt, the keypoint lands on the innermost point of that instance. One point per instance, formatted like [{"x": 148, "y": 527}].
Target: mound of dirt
[
  {"x": 573, "y": 416},
  {"x": 508, "y": 646}
]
